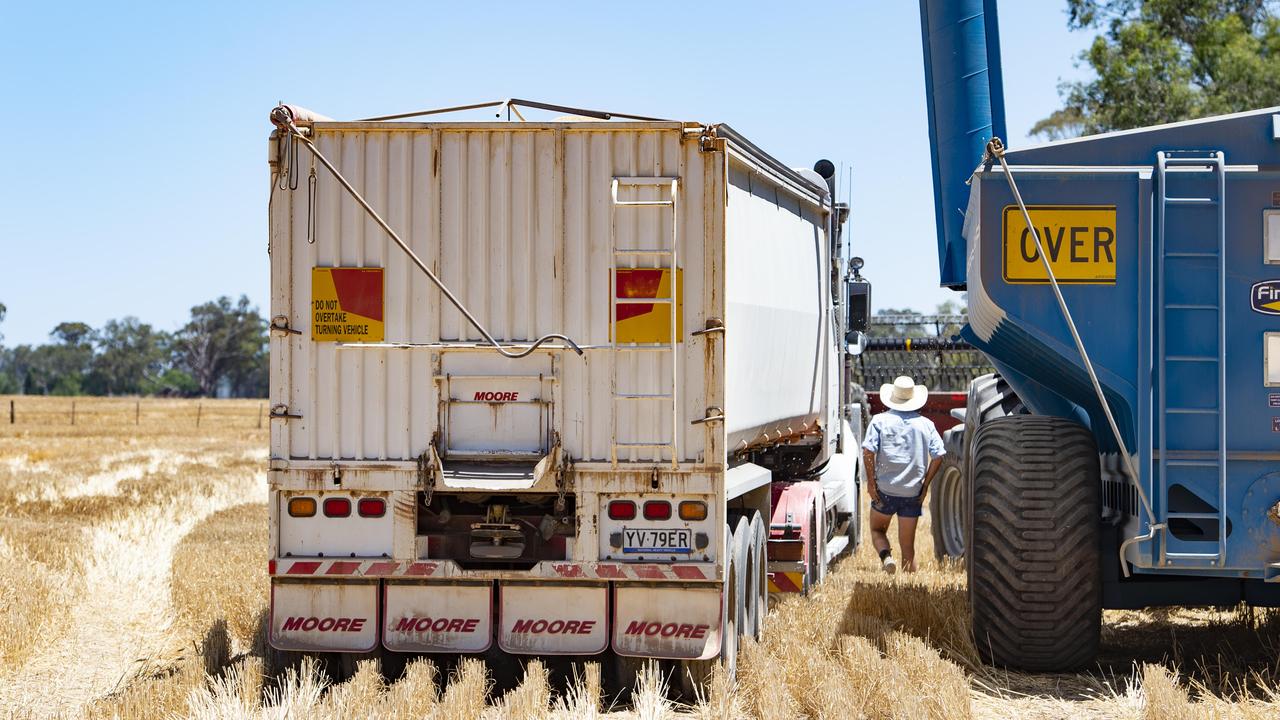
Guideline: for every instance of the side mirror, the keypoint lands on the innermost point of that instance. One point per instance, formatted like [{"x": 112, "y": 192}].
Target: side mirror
[{"x": 858, "y": 309}]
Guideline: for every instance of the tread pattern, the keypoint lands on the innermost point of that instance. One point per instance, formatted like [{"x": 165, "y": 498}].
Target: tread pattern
[
  {"x": 990, "y": 397},
  {"x": 1034, "y": 568}
]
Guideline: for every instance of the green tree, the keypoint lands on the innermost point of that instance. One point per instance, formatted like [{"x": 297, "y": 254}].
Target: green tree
[
  {"x": 57, "y": 368},
  {"x": 131, "y": 355},
  {"x": 225, "y": 342},
  {"x": 3, "y": 310},
  {"x": 1160, "y": 61}
]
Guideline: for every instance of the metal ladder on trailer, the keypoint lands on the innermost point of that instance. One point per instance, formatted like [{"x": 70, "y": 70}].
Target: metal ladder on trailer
[
  {"x": 671, "y": 347},
  {"x": 1175, "y": 401}
]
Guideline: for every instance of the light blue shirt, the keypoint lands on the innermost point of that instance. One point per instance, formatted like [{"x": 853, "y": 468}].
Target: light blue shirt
[{"x": 904, "y": 444}]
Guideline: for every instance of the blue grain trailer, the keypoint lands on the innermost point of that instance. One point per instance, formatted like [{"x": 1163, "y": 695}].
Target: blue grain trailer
[{"x": 1164, "y": 243}]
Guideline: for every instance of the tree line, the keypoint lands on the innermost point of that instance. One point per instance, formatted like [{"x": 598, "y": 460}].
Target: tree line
[
  {"x": 1160, "y": 61},
  {"x": 220, "y": 352}
]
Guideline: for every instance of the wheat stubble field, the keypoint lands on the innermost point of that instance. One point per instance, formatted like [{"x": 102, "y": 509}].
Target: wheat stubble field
[{"x": 133, "y": 585}]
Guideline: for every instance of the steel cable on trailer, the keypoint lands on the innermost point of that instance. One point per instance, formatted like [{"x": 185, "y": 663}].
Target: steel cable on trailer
[
  {"x": 995, "y": 151},
  {"x": 282, "y": 118}
]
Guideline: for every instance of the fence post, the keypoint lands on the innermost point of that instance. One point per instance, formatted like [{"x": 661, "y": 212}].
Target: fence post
[
  {"x": 137, "y": 412},
  {"x": 11, "y": 415},
  {"x": 73, "y": 412},
  {"x": 259, "y": 416},
  {"x": 199, "y": 409}
]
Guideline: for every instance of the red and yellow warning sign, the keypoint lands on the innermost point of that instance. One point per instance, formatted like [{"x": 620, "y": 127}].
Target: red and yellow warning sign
[
  {"x": 647, "y": 322},
  {"x": 346, "y": 304}
]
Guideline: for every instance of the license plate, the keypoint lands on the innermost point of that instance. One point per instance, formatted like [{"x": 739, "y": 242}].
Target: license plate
[{"x": 661, "y": 540}]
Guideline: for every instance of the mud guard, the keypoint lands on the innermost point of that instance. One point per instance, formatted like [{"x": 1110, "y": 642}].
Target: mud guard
[
  {"x": 553, "y": 619},
  {"x": 671, "y": 621},
  {"x": 438, "y": 617},
  {"x": 324, "y": 617}
]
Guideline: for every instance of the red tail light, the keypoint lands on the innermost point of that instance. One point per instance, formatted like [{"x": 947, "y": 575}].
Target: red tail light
[
  {"x": 337, "y": 507},
  {"x": 622, "y": 510},
  {"x": 371, "y": 507},
  {"x": 657, "y": 510}
]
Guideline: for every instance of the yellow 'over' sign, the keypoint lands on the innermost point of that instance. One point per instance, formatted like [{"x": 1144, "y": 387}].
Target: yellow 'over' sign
[{"x": 1080, "y": 240}]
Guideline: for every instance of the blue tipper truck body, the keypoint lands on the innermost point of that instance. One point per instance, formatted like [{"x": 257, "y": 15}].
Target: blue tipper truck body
[{"x": 1165, "y": 244}]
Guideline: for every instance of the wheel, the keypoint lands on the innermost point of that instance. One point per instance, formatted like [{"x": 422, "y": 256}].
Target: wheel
[
  {"x": 815, "y": 570},
  {"x": 757, "y": 580},
  {"x": 695, "y": 674},
  {"x": 990, "y": 397},
  {"x": 947, "y": 500},
  {"x": 1035, "y": 586},
  {"x": 737, "y": 596}
]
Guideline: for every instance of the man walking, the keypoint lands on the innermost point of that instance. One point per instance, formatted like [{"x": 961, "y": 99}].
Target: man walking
[{"x": 901, "y": 452}]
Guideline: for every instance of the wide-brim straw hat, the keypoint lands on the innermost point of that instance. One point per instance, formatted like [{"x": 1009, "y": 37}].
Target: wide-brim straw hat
[{"x": 904, "y": 394}]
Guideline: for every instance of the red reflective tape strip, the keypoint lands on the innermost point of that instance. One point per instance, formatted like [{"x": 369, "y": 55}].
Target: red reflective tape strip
[
  {"x": 420, "y": 568},
  {"x": 303, "y": 567},
  {"x": 271, "y": 567},
  {"x": 650, "y": 572},
  {"x": 342, "y": 567},
  {"x": 570, "y": 571},
  {"x": 688, "y": 572},
  {"x": 382, "y": 568},
  {"x": 609, "y": 571}
]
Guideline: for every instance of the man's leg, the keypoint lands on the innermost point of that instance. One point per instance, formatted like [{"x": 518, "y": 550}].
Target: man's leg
[
  {"x": 907, "y": 539},
  {"x": 880, "y": 533}
]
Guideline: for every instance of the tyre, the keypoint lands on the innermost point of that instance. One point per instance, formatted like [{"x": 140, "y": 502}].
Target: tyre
[
  {"x": 947, "y": 516},
  {"x": 1035, "y": 587},
  {"x": 815, "y": 565},
  {"x": 757, "y": 581},
  {"x": 990, "y": 398},
  {"x": 696, "y": 674}
]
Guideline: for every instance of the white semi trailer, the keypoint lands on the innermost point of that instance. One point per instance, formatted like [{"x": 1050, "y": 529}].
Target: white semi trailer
[{"x": 560, "y": 387}]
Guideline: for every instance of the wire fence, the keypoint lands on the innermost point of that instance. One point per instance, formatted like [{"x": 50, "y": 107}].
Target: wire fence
[{"x": 90, "y": 411}]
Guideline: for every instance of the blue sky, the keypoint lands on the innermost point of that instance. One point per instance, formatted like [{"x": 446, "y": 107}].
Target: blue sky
[{"x": 134, "y": 177}]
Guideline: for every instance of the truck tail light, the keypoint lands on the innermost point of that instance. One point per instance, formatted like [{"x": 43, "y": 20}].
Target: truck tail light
[
  {"x": 337, "y": 507},
  {"x": 657, "y": 510},
  {"x": 371, "y": 507},
  {"x": 693, "y": 510},
  {"x": 622, "y": 510},
  {"x": 302, "y": 507}
]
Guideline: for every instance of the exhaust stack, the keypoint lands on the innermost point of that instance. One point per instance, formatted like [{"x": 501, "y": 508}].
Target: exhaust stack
[{"x": 966, "y": 107}]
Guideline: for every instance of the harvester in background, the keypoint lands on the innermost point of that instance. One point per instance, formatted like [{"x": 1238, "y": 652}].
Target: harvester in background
[{"x": 1119, "y": 457}]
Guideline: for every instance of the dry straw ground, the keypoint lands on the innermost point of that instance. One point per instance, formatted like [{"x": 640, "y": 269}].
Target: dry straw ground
[{"x": 132, "y": 585}]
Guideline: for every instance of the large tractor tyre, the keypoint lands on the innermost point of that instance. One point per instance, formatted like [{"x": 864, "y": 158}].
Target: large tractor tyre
[
  {"x": 1035, "y": 586},
  {"x": 947, "y": 507},
  {"x": 990, "y": 398},
  {"x": 757, "y": 581}
]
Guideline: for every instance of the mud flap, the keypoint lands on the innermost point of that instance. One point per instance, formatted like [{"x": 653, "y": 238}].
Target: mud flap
[
  {"x": 437, "y": 617},
  {"x": 320, "y": 617},
  {"x": 680, "y": 622},
  {"x": 553, "y": 619}
]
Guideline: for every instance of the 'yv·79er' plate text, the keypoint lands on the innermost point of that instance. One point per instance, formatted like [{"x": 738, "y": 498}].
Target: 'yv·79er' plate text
[{"x": 664, "y": 540}]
